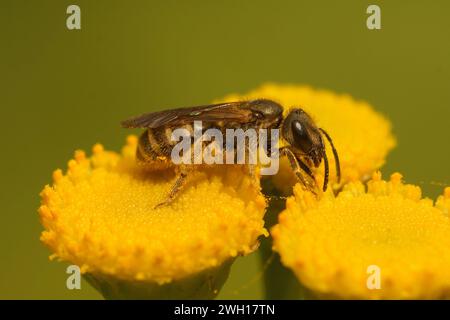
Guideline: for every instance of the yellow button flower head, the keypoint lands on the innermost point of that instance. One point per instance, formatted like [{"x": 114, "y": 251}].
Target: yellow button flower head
[
  {"x": 100, "y": 216},
  {"x": 335, "y": 245},
  {"x": 362, "y": 137}
]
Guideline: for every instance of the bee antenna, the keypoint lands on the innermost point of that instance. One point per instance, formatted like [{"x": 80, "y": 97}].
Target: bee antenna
[
  {"x": 325, "y": 179},
  {"x": 335, "y": 154}
]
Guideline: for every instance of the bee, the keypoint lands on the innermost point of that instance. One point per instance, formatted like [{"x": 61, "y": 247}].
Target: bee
[{"x": 305, "y": 147}]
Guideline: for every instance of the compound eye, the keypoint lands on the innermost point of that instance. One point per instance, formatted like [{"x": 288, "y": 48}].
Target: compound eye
[{"x": 301, "y": 137}]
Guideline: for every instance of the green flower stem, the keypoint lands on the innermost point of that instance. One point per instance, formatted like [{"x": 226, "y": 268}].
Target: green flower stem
[
  {"x": 203, "y": 285},
  {"x": 279, "y": 282}
]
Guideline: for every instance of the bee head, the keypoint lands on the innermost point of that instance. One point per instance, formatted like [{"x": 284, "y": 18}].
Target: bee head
[{"x": 299, "y": 130}]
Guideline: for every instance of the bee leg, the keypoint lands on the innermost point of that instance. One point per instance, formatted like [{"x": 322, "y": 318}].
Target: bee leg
[
  {"x": 252, "y": 173},
  {"x": 251, "y": 170},
  {"x": 176, "y": 188},
  {"x": 299, "y": 169},
  {"x": 250, "y": 150}
]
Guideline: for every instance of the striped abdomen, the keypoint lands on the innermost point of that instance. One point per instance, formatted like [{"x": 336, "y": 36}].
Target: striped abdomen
[{"x": 155, "y": 145}]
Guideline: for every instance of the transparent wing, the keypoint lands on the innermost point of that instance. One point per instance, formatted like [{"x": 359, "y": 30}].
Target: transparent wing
[{"x": 229, "y": 111}]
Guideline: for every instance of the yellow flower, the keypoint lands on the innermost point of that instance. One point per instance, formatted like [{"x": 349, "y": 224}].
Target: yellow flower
[
  {"x": 100, "y": 216},
  {"x": 362, "y": 136},
  {"x": 330, "y": 243}
]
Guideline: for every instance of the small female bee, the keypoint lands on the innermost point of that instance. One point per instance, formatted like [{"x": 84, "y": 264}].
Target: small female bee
[{"x": 305, "y": 146}]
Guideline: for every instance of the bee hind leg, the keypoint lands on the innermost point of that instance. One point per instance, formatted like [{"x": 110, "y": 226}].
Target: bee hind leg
[{"x": 176, "y": 188}]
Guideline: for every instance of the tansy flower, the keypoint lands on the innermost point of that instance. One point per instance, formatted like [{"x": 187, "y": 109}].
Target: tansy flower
[
  {"x": 100, "y": 216},
  {"x": 336, "y": 243},
  {"x": 362, "y": 136}
]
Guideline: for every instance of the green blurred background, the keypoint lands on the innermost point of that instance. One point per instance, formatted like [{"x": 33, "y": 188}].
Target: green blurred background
[{"x": 62, "y": 90}]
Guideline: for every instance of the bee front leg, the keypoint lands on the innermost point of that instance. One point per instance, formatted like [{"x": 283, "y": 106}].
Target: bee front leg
[
  {"x": 299, "y": 169},
  {"x": 176, "y": 187}
]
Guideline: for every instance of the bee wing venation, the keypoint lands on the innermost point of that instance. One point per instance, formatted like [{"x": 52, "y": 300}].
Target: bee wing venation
[{"x": 230, "y": 111}]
